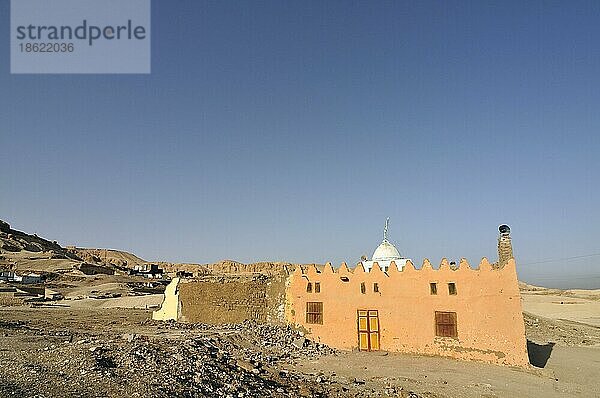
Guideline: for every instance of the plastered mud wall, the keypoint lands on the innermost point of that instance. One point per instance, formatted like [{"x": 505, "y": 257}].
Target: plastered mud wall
[
  {"x": 170, "y": 308},
  {"x": 232, "y": 299},
  {"x": 487, "y": 304}
]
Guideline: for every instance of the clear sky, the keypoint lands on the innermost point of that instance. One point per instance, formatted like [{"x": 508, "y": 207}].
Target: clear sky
[{"x": 291, "y": 130}]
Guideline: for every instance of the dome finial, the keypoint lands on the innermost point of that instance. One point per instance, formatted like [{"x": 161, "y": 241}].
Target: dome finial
[{"x": 385, "y": 230}]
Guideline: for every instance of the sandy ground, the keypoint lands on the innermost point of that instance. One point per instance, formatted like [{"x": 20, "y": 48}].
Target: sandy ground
[
  {"x": 571, "y": 371},
  {"x": 571, "y": 367},
  {"x": 562, "y": 307},
  {"x": 563, "y": 329},
  {"x": 151, "y": 301},
  {"x": 39, "y": 262}
]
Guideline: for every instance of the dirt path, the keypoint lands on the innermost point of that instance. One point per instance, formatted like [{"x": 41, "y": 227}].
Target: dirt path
[{"x": 571, "y": 371}]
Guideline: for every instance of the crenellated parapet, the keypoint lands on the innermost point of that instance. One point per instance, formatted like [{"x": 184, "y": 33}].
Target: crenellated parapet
[{"x": 393, "y": 271}]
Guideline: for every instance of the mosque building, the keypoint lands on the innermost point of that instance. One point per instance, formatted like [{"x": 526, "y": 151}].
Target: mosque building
[{"x": 385, "y": 303}]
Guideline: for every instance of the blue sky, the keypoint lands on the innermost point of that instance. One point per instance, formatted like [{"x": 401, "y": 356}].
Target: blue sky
[{"x": 291, "y": 130}]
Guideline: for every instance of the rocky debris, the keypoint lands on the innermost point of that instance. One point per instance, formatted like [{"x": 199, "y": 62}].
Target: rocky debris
[
  {"x": 542, "y": 330},
  {"x": 278, "y": 341},
  {"x": 94, "y": 269},
  {"x": 104, "y": 295},
  {"x": 233, "y": 361},
  {"x": 13, "y": 325}
]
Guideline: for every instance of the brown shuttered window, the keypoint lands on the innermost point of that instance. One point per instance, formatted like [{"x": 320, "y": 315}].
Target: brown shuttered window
[
  {"x": 309, "y": 288},
  {"x": 376, "y": 287},
  {"x": 314, "y": 313},
  {"x": 363, "y": 288},
  {"x": 445, "y": 324},
  {"x": 317, "y": 287}
]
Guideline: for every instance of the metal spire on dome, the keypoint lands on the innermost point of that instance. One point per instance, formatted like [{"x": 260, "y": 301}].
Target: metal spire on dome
[{"x": 385, "y": 230}]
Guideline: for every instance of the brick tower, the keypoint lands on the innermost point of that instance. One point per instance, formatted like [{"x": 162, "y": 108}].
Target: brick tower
[{"x": 505, "y": 251}]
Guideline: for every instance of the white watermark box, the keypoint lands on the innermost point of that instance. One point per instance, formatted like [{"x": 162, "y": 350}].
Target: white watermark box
[{"x": 80, "y": 36}]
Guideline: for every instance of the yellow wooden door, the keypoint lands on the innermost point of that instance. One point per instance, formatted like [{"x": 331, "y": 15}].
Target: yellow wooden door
[
  {"x": 363, "y": 330},
  {"x": 368, "y": 330},
  {"x": 373, "y": 331}
]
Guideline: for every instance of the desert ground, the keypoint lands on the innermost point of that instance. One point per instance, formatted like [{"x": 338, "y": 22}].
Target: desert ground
[
  {"x": 98, "y": 340},
  {"x": 108, "y": 348}
]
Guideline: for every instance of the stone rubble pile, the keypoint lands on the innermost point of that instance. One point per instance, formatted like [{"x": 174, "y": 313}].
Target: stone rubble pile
[
  {"x": 542, "y": 330},
  {"x": 190, "y": 368},
  {"x": 229, "y": 361},
  {"x": 238, "y": 360},
  {"x": 290, "y": 343}
]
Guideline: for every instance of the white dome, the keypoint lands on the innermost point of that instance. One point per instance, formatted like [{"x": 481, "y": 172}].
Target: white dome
[{"x": 386, "y": 251}]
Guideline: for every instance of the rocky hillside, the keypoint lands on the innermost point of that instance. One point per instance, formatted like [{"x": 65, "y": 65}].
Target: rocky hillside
[
  {"x": 20, "y": 251},
  {"x": 232, "y": 267},
  {"x": 25, "y": 252},
  {"x": 107, "y": 256},
  {"x": 13, "y": 241}
]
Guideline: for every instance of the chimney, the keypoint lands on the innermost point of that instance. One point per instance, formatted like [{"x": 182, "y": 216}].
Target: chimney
[{"x": 505, "y": 251}]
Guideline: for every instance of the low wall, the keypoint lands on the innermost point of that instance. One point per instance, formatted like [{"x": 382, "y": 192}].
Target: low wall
[{"x": 232, "y": 299}]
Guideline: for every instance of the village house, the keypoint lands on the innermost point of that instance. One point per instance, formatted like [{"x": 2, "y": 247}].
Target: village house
[
  {"x": 151, "y": 271},
  {"x": 384, "y": 303},
  {"x": 29, "y": 278}
]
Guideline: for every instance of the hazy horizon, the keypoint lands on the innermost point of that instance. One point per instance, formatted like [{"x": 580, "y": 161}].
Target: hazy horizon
[
  {"x": 289, "y": 132},
  {"x": 576, "y": 281}
]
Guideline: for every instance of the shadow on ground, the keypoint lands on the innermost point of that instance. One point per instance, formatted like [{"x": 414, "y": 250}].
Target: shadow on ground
[{"x": 538, "y": 353}]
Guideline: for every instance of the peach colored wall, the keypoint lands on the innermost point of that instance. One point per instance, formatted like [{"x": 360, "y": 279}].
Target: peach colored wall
[{"x": 487, "y": 304}]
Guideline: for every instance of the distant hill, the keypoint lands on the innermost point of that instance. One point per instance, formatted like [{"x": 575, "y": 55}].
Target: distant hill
[
  {"x": 232, "y": 267},
  {"x": 588, "y": 294},
  {"x": 107, "y": 256},
  {"x": 25, "y": 252},
  {"x": 20, "y": 251},
  {"x": 15, "y": 241}
]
